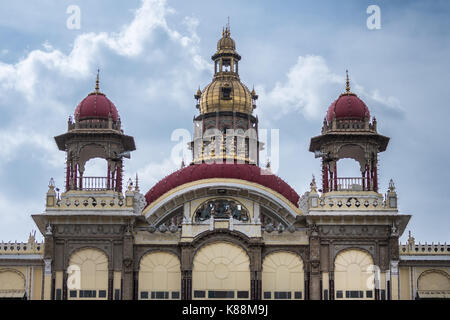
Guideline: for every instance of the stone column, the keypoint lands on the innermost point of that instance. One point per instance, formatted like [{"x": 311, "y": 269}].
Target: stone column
[
  {"x": 48, "y": 283},
  {"x": 314, "y": 258},
  {"x": 186, "y": 271},
  {"x": 255, "y": 272},
  {"x": 127, "y": 267}
]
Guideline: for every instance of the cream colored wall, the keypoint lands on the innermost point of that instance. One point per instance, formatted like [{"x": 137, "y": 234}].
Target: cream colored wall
[
  {"x": 405, "y": 288},
  {"x": 221, "y": 266},
  {"x": 351, "y": 272},
  {"x": 12, "y": 279},
  {"x": 413, "y": 279},
  {"x": 160, "y": 271},
  {"x": 433, "y": 280},
  {"x": 93, "y": 266},
  {"x": 22, "y": 278},
  {"x": 283, "y": 271}
]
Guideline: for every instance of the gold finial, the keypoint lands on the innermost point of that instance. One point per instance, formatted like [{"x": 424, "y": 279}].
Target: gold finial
[
  {"x": 136, "y": 187},
  {"x": 97, "y": 82},
  {"x": 347, "y": 89}
]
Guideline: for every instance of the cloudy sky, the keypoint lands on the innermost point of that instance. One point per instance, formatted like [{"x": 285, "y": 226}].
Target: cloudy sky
[{"x": 154, "y": 54}]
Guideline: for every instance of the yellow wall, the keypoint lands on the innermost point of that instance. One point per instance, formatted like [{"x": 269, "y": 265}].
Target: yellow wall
[
  {"x": 22, "y": 278},
  {"x": 160, "y": 272},
  {"x": 221, "y": 267},
  {"x": 351, "y": 273},
  {"x": 283, "y": 272},
  {"x": 93, "y": 273}
]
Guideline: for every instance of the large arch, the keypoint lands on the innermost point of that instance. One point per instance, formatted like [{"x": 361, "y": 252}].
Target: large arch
[
  {"x": 283, "y": 276},
  {"x": 159, "y": 276},
  {"x": 433, "y": 284},
  {"x": 88, "y": 275},
  {"x": 354, "y": 276},
  {"x": 221, "y": 270},
  {"x": 266, "y": 197},
  {"x": 12, "y": 284}
]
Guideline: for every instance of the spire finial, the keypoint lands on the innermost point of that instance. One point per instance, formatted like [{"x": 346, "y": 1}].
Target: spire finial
[
  {"x": 97, "y": 82},
  {"x": 136, "y": 186},
  {"x": 347, "y": 89}
]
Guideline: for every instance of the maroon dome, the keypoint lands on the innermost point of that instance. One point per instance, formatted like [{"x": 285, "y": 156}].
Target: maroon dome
[
  {"x": 348, "y": 106},
  {"x": 202, "y": 171},
  {"x": 96, "y": 106}
]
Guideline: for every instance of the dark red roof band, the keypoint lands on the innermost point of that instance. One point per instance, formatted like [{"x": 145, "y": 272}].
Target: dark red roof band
[{"x": 196, "y": 172}]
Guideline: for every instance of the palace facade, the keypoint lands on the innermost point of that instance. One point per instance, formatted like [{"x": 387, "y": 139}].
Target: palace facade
[{"x": 222, "y": 227}]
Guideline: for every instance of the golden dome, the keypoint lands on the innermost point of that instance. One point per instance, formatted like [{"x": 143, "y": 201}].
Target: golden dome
[
  {"x": 226, "y": 92},
  {"x": 226, "y": 95},
  {"x": 226, "y": 43}
]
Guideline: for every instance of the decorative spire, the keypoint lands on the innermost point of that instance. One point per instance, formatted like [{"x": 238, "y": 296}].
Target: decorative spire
[
  {"x": 347, "y": 88},
  {"x": 313, "y": 184},
  {"x": 136, "y": 187},
  {"x": 97, "y": 82}
]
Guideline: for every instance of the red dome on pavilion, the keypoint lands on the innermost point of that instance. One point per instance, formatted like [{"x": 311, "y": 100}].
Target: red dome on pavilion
[
  {"x": 96, "y": 106},
  {"x": 202, "y": 171},
  {"x": 348, "y": 106}
]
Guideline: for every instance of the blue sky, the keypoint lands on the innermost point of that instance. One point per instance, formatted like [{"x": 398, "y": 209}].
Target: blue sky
[{"x": 154, "y": 54}]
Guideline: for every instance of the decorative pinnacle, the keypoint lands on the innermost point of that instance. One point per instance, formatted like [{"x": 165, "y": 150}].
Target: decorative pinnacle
[
  {"x": 97, "y": 82},
  {"x": 347, "y": 89},
  {"x": 136, "y": 187}
]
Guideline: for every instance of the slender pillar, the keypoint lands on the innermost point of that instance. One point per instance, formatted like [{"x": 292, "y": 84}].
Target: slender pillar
[
  {"x": 375, "y": 177},
  {"x": 324, "y": 176},
  {"x": 68, "y": 176},
  {"x": 335, "y": 177}
]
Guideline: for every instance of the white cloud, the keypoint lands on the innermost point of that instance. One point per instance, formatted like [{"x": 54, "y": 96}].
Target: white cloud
[
  {"x": 310, "y": 87},
  {"x": 130, "y": 41},
  {"x": 155, "y": 171},
  {"x": 40, "y": 75}
]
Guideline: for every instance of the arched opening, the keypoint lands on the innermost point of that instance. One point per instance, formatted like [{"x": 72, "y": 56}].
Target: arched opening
[
  {"x": 354, "y": 275},
  {"x": 159, "y": 276},
  {"x": 221, "y": 271},
  {"x": 88, "y": 275},
  {"x": 283, "y": 276},
  {"x": 433, "y": 284},
  {"x": 12, "y": 284}
]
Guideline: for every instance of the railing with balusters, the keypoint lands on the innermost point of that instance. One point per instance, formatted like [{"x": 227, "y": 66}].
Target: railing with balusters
[
  {"x": 96, "y": 183},
  {"x": 351, "y": 184}
]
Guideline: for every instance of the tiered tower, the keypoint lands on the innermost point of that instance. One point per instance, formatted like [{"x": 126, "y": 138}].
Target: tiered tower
[
  {"x": 96, "y": 133},
  {"x": 93, "y": 212},
  {"x": 348, "y": 132},
  {"x": 226, "y": 129},
  {"x": 349, "y": 218}
]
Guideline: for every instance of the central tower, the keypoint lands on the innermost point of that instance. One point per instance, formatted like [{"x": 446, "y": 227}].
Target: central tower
[{"x": 226, "y": 129}]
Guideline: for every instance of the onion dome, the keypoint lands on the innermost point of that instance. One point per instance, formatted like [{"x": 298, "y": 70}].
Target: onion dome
[
  {"x": 226, "y": 42},
  {"x": 348, "y": 106},
  {"x": 247, "y": 172},
  {"x": 226, "y": 92},
  {"x": 96, "y": 106},
  {"x": 226, "y": 95}
]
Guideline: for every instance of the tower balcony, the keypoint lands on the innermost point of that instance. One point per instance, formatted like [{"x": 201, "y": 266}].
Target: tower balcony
[
  {"x": 350, "y": 184},
  {"x": 96, "y": 184}
]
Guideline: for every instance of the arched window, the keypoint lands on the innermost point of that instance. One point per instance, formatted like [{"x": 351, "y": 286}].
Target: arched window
[
  {"x": 354, "y": 275},
  {"x": 283, "y": 276},
  {"x": 221, "y": 271},
  {"x": 159, "y": 276},
  {"x": 88, "y": 275}
]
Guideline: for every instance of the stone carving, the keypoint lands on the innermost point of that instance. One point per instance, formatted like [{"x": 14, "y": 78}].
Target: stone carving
[
  {"x": 139, "y": 202},
  {"x": 221, "y": 209},
  {"x": 48, "y": 230}
]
